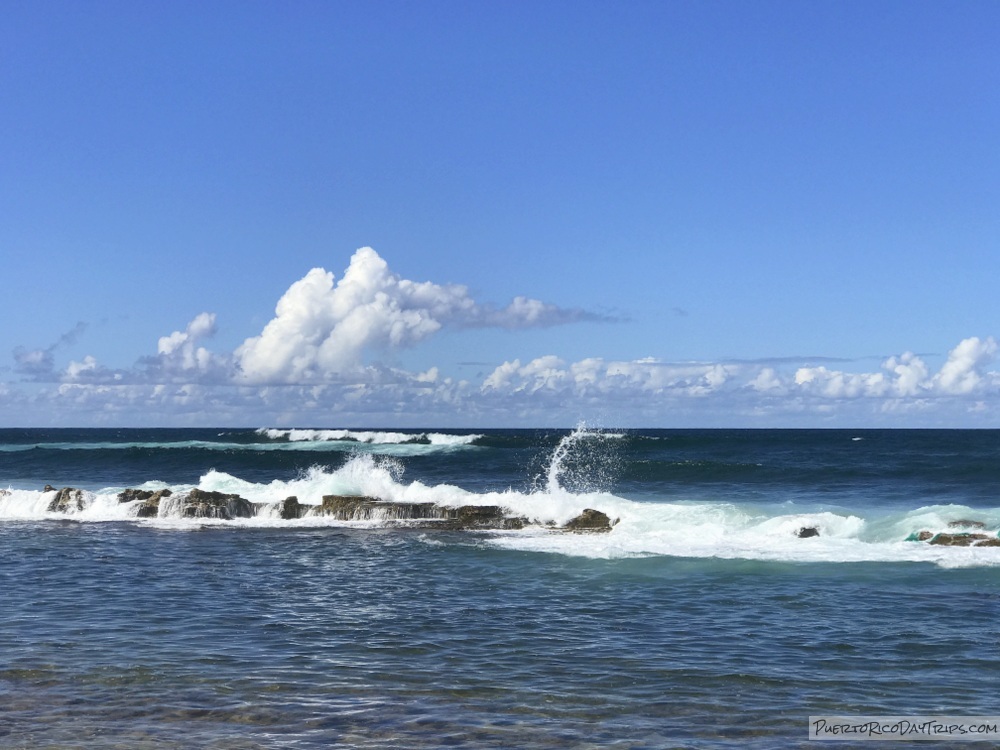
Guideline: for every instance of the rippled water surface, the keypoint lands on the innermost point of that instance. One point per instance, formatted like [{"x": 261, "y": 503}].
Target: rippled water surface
[{"x": 117, "y": 635}]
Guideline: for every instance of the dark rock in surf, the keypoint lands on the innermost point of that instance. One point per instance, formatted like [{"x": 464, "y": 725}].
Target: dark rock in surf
[
  {"x": 131, "y": 495},
  {"x": 149, "y": 509},
  {"x": 67, "y": 500},
  {"x": 806, "y": 532},
  {"x": 590, "y": 521},
  {"x": 920, "y": 536},
  {"x": 291, "y": 509},
  {"x": 207, "y": 504},
  {"x": 48, "y": 488},
  {"x": 149, "y": 506}
]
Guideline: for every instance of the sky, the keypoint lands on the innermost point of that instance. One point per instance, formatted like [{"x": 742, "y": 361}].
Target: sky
[{"x": 500, "y": 214}]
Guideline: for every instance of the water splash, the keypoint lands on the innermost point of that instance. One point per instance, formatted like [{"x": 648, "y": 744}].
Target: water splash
[{"x": 585, "y": 460}]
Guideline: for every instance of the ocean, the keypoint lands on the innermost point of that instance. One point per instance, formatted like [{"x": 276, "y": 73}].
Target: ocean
[{"x": 749, "y": 580}]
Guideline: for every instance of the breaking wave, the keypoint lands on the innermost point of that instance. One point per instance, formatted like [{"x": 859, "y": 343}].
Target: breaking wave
[
  {"x": 271, "y": 440},
  {"x": 368, "y": 437}
]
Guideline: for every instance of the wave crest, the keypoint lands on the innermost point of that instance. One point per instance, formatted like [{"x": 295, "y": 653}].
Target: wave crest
[{"x": 371, "y": 437}]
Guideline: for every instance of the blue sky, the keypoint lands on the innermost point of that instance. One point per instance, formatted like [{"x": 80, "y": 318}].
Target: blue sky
[{"x": 633, "y": 214}]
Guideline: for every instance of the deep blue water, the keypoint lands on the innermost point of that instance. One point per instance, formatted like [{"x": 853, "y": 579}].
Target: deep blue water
[{"x": 699, "y": 621}]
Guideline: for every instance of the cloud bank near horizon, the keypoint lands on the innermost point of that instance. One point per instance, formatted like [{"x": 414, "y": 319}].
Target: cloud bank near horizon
[{"x": 318, "y": 362}]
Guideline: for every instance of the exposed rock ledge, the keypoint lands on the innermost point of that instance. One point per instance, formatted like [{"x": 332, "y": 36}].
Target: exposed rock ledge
[
  {"x": 194, "y": 504},
  {"x": 354, "y": 508},
  {"x": 199, "y": 503}
]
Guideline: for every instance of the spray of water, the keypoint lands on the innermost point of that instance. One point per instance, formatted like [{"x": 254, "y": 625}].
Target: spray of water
[{"x": 586, "y": 460}]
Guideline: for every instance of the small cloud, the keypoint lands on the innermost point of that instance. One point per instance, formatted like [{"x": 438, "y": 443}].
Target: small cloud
[
  {"x": 39, "y": 364},
  {"x": 71, "y": 336},
  {"x": 34, "y": 362},
  {"x": 76, "y": 369},
  {"x": 179, "y": 355}
]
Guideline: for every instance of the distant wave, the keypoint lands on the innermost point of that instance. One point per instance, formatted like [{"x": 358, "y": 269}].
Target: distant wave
[
  {"x": 277, "y": 440},
  {"x": 133, "y": 445},
  {"x": 369, "y": 437}
]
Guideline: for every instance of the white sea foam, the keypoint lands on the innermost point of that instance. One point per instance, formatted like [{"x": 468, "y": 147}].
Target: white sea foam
[
  {"x": 33, "y": 505},
  {"x": 721, "y": 531}
]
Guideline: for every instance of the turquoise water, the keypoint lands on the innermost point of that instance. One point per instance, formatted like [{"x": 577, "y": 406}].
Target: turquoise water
[{"x": 167, "y": 633}]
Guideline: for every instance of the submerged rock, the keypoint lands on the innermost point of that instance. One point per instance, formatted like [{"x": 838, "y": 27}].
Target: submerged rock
[
  {"x": 150, "y": 505},
  {"x": 67, "y": 500},
  {"x": 590, "y": 521},
  {"x": 807, "y": 531}
]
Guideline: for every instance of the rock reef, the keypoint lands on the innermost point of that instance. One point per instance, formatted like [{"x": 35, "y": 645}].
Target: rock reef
[
  {"x": 199, "y": 503},
  {"x": 464, "y": 517}
]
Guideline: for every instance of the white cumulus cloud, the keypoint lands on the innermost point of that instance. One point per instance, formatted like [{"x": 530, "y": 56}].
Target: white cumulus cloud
[
  {"x": 75, "y": 369},
  {"x": 180, "y": 352},
  {"x": 961, "y": 374},
  {"x": 322, "y": 328},
  {"x": 911, "y": 374}
]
